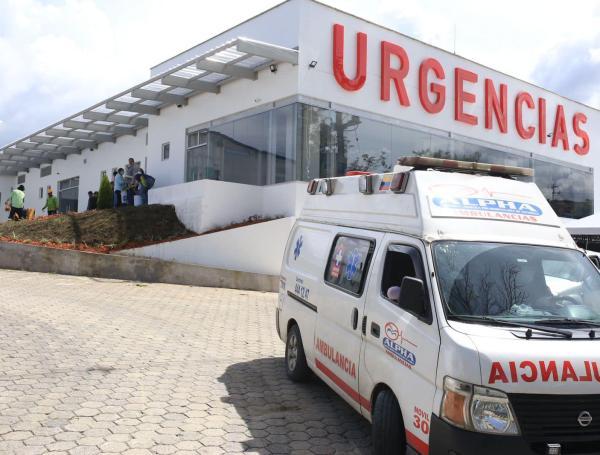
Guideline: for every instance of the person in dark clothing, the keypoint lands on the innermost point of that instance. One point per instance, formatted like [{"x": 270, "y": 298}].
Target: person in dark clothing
[
  {"x": 131, "y": 169},
  {"x": 92, "y": 201}
]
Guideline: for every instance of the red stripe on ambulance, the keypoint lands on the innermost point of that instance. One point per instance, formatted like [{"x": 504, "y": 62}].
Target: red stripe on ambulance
[{"x": 420, "y": 446}]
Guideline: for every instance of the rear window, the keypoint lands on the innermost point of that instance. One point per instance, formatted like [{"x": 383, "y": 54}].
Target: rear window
[{"x": 348, "y": 263}]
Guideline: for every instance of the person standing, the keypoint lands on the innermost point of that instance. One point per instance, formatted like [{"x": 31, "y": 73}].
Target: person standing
[
  {"x": 144, "y": 183},
  {"x": 131, "y": 169},
  {"x": 51, "y": 204},
  {"x": 120, "y": 186},
  {"x": 17, "y": 203},
  {"x": 92, "y": 201}
]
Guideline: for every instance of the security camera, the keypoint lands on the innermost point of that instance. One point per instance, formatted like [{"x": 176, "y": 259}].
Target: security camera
[{"x": 273, "y": 67}]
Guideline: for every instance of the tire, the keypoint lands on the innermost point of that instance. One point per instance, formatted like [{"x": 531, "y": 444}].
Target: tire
[
  {"x": 388, "y": 427},
  {"x": 295, "y": 360}
]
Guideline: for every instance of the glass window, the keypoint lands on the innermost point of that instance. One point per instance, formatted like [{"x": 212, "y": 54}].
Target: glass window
[
  {"x": 315, "y": 142},
  {"x": 360, "y": 144},
  {"x": 239, "y": 150},
  {"x": 397, "y": 266},
  {"x": 348, "y": 263},
  {"x": 283, "y": 142},
  {"x": 400, "y": 261},
  {"x": 569, "y": 191},
  {"x": 516, "y": 281},
  {"x": 68, "y": 195},
  {"x": 406, "y": 142},
  {"x": 45, "y": 171},
  {"x": 196, "y": 156},
  {"x": 165, "y": 152},
  {"x": 21, "y": 179}
]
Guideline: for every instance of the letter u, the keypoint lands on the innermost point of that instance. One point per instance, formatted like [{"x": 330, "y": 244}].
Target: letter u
[
  {"x": 338, "y": 59},
  {"x": 596, "y": 371}
]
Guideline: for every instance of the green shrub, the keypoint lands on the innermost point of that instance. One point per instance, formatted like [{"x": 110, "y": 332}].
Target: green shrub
[{"x": 105, "y": 194}]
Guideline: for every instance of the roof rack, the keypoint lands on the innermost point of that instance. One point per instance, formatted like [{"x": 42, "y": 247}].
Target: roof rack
[{"x": 424, "y": 162}]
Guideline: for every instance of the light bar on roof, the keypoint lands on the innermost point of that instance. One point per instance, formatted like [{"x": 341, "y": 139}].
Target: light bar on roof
[{"x": 441, "y": 163}]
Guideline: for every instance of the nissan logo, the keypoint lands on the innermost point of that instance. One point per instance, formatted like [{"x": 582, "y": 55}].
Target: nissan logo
[{"x": 584, "y": 419}]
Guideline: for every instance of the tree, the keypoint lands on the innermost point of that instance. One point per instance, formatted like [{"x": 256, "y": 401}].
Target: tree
[{"x": 105, "y": 194}]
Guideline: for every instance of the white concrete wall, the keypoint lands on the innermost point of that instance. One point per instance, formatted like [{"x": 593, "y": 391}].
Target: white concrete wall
[
  {"x": 208, "y": 204},
  {"x": 6, "y": 184},
  {"x": 87, "y": 166},
  {"x": 258, "y": 248}
]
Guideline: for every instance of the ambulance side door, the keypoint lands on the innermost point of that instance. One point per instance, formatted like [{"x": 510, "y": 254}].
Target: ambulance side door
[
  {"x": 338, "y": 337},
  {"x": 401, "y": 347},
  {"x": 301, "y": 295}
]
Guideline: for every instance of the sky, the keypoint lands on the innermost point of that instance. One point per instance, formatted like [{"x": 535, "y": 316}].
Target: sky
[{"x": 58, "y": 57}]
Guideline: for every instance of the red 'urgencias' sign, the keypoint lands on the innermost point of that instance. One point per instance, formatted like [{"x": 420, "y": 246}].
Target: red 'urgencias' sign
[{"x": 432, "y": 95}]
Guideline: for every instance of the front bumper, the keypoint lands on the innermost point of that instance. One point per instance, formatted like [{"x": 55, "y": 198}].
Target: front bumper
[{"x": 446, "y": 439}]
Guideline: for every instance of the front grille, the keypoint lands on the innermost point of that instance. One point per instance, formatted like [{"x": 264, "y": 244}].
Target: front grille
[{"x": 553, "y": 418}]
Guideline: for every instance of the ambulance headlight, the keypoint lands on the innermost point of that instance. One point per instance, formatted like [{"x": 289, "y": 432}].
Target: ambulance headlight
[
  {"x": 477, "y": 408},
  {"x": 491, "y": 412}
]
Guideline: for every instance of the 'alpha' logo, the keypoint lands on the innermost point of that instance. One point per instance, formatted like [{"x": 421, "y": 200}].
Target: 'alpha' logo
[
  {"x": 488, "y": 205},
  {"x": 400, "y": 353}
]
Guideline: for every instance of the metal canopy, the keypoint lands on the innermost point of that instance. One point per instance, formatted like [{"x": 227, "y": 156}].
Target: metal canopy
[{"x": 128, "y": 111}]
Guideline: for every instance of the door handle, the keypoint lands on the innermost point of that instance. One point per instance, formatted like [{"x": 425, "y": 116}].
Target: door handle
[
  {"x": 375, "y": 330},
  {"x": 354, "y": 318}
]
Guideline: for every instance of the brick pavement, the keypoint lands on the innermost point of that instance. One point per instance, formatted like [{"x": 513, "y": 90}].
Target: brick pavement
[{"x": 93, "y": 366}]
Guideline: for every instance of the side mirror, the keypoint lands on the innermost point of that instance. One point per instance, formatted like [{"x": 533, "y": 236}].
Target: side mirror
[
  {"x": 595, "y": 260},
  {"x": 412, "y": 296}
]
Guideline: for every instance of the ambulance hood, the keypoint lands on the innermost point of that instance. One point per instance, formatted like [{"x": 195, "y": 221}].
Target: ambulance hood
[{"x": 541, "y": 364}]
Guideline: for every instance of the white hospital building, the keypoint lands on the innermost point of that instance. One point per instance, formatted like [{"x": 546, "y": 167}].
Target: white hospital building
[{"x": 234, "y": 126}]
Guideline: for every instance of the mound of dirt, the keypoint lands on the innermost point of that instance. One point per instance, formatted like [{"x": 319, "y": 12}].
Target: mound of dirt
[{"x": 101, "y": 230}]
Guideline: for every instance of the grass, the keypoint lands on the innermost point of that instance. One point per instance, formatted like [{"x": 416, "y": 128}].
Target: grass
[{"x": 100, "y": 230}]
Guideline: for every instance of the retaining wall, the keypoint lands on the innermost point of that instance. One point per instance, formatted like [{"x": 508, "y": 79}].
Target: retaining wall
[{"x": 68, "y": 262}]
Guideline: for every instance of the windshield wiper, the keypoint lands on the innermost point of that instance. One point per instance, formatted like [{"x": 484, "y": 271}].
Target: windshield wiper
[
  {"x": 530, "y": 327},
  {"x": 584, "y": 322}
]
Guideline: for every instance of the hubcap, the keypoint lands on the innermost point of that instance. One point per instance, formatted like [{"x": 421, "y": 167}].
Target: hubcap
[{"x": 292, "y": 352}]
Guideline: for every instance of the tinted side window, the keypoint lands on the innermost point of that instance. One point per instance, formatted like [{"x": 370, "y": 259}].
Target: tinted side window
[
  {"x": 400, "y": 261},
  {"x": 348, "y": 263}
]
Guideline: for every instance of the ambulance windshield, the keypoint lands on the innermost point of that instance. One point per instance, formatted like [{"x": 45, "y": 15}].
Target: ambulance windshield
[{"x": 517, "y": 282}]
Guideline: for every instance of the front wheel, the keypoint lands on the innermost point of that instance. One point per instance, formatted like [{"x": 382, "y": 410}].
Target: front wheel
[
  {"x": 388, "y": 427},
  {"x": 295, "y": 360}
]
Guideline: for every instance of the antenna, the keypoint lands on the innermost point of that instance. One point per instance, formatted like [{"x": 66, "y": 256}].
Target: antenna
[{"x": 454, "y": 51}]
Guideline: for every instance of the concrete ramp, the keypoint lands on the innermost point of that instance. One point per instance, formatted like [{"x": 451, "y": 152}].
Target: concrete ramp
[
  {"x": 69, "y": 262},
  {"x": 257, "y": 248}
]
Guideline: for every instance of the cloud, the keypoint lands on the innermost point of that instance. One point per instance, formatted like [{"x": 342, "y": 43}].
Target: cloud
[
  {"x": 58, "y": 57},
  {"x": 573, "y": 70},
  {"x": 514, "y": 37}
]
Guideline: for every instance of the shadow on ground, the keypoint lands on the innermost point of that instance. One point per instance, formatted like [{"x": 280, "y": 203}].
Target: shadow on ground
[{"x": 286, "y": 417}]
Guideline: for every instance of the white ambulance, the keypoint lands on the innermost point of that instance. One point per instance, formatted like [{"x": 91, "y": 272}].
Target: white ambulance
[{"x": 445, "y": 302}]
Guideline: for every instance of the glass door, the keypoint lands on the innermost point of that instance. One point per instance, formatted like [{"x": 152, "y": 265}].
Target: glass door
[{"x": 68, "y": 195}]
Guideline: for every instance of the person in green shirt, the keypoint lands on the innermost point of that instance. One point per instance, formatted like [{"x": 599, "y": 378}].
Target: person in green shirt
[
  {"x": 51, "y": 204},
  {"x": 17, "y": 203}
]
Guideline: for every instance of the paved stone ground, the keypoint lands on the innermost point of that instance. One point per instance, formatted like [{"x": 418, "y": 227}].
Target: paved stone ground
[{"x": 101, "y": 366}]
